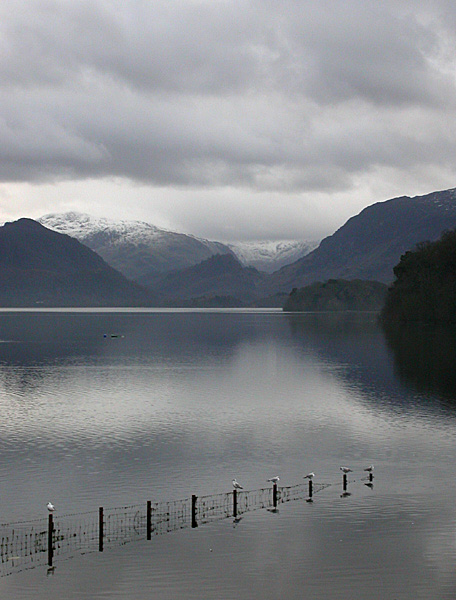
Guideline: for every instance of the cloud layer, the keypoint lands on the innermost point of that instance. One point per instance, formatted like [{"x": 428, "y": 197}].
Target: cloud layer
[{"x": 312, "y": 101}]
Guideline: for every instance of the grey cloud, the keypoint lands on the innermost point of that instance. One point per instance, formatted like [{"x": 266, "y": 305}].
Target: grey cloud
[
  {"x": 331, "y": 51},
  {"x": 175, "y": 47},
  {"x": 366, "y": 50},
  {"x": 297, "y": 97}
]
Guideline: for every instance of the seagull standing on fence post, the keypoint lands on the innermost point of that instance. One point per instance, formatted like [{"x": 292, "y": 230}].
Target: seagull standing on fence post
[
  {"x": 310, "y": 477},
  {"x": 274, "y": 480},
  {"x": 236, "y": 485},
  {"x": 345, "y": 470},
  {"x": 50, "y": 507},
  {"x": 370, "y": 472}
]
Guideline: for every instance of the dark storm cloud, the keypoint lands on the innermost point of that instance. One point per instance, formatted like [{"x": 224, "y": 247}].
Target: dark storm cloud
[{"x": 271, "y": 96}]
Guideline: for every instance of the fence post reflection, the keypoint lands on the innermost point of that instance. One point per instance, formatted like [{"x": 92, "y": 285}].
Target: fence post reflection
[
  {"x": 100, "y": 529},
  {"x": 149, "y": 520}
]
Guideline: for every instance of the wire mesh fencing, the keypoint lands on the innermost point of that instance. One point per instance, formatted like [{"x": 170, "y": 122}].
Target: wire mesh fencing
[
  {"x": 169, "y": 516},
  {"x": 29, "y": 544},
  {"x": 300, "y": 491},
  {"x": 23, "y": 545},
  {"x": 256, "y": 499},
  {"x": 212, "y": 508}
]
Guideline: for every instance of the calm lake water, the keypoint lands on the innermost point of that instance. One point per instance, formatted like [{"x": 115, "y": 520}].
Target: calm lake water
[{"x": 180, "y": 402}]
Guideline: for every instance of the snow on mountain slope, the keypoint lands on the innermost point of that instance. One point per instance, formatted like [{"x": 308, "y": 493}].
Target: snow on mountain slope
[
  {"x": 81, "y": 226},
  {"x": 137, "y": 248},
  {"x": 134, "y": 247},
  {"x": 272, "y": 255}
]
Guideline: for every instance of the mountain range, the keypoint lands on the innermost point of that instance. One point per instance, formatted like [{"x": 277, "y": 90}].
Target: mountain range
[
  {"x": 134, "y": 248},
  {"x": 138, "y": 249},
  {"x": 366, "y": 247},
  {"x": 40, "y": 265}
]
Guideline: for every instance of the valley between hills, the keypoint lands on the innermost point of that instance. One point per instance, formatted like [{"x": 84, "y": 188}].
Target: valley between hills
[{"x": 72, "y": 259}]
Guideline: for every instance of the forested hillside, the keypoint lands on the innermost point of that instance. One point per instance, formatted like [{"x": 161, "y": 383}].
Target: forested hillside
[
  {"x": 425, "y": 285},
  {"x": 338, "y": 294}
]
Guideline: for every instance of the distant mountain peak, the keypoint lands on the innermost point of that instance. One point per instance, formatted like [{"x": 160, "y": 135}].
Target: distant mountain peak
[
  {"x": 82, "y": 224},
  {"x": 24, "y": 223},
  {"x": 271, "y": 255}
]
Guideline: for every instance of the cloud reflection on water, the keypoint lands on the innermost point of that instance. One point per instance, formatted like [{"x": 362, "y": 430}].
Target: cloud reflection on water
[{"x": 185, "y": 402}]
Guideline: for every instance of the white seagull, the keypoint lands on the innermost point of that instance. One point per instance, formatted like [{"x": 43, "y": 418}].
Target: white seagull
[
  {"x": 275, "y": 479},
  {"x": 309, "y": 476},
  {"x": 50, "y": 507},
  {"x": 369, "y": 469},
  {"x": 345, "y": 470},
  {"x": 236, "y": 485}
]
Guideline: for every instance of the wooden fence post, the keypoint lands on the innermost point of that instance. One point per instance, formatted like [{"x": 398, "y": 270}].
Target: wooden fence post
[
  {"x": 310, "y": 488},
  {"x": 50, "y": 539},
  {"x": 149, "y": 520},
  {"x": 100, "y": 529},
  {"x": 234, "y": 503},
  {"x": 274, "y": 495},
  {"x": 194, "y": 521}
]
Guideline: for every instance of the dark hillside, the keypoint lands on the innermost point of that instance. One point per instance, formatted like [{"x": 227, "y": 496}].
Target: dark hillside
[
  {"x": 41, "y": 267},
  {"x": 370, "y": 244},
  {"x": 221, "y": 275}
]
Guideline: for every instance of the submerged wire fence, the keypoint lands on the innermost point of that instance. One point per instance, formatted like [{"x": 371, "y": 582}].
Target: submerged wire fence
[{"x": 29, "y": 544}]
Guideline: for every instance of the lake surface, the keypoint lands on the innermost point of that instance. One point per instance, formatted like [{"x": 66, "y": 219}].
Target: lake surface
[{"x": 181, "y": 402}]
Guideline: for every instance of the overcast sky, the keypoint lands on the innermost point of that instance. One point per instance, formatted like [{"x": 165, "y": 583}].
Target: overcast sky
[{"x": 228, "y": 119}]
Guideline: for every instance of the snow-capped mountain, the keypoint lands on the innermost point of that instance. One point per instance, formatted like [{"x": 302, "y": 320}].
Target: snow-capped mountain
[
  {"x": 134, "y": 248},
  {"x": 270, "y": 256},
  {"x": 137, "y": 248}
]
